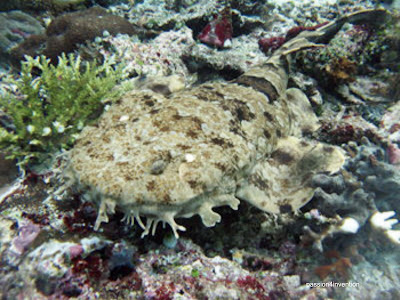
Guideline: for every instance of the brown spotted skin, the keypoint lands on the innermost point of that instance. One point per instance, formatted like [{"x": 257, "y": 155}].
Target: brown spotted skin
[
  {"x": 163, "y": 157},
  {"x": 139, "y": 148}
]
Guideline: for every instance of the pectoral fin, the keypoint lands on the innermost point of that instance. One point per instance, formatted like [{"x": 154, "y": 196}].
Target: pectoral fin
[{"x": 282, "y": 182}]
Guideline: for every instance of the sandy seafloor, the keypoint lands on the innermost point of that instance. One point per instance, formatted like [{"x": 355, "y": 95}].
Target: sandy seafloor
[{"x": 50, "y": 250}]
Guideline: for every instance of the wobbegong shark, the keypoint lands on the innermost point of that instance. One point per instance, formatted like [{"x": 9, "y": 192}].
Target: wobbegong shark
[{"x": 158, "y": 158}]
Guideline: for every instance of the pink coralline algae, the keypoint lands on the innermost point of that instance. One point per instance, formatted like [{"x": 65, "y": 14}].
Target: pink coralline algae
[
  {"x": 268, "y": 45},
  {"x": 75, "y": 251},
  {"x": 218, "y": 32},
  {"x": 26, "y": 235},
  {"x": 271, "y": 44},
  {"x": 393, "y": 154}
]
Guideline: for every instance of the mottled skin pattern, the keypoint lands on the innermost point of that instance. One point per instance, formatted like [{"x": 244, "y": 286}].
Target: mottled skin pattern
[
  {"x": 177, "y": 151},
  {"x": 167, "y": 157}
]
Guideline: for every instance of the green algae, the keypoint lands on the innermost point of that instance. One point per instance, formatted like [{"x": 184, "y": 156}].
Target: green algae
[{"x": 51, "y": 108}]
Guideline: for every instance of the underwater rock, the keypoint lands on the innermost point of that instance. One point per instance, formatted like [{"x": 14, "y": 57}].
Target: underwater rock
[
  {"x": 352, "y": 53},
  {"x": 166, "y": 15},
  {"x": 371, "y": 166},
  {"x": 195, "y": 275},
  {"x": 369, "y": 183},
  {"x": 229, "y": 64},
  {"x": 346, "y": 201},
  {"x": 390, "y": 123},
  {"x": 9, "y": 173},
  {"x": 351, "y": 127},
  {"x": 73, "y": 269},
  {"x": 67, "y": 31},
  {"x": 39, "y": 5},
  {"x": 16, "y": 26},
  {"x": 161, "y": 56},
  {"x": 27, "y": 233}
]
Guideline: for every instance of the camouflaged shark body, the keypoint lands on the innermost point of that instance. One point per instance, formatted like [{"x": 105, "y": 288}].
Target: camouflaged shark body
[{"x": 216, "y": 144}]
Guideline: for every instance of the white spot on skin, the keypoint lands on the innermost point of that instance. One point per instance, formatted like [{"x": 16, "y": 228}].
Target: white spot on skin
[
  {"x": 205, "y": 128},
  {"x": 190, "y": 157},
  {"x": 124, "y": 118}
]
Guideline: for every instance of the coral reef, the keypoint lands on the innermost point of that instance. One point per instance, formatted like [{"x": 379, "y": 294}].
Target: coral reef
[
  {"x": 342, "y": 63},
  {"x": 162, "y": 56},
  {"x": 72, "y": 269},
  {"x": 347, "y": 234},
  {"x": 368, "y": 183}
]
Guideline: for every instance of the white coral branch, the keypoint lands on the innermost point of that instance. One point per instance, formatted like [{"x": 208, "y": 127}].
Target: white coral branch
[
  {"x": 382, "y": 221},
  {"x": 394, "y": 236}
]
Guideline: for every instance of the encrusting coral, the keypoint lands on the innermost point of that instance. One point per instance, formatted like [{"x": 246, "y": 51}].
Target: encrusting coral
[{"x": 209, "y": 146}]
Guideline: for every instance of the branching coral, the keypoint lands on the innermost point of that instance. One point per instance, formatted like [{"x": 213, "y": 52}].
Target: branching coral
[
  {"x": 52, "y": 107},
  {"x": 381, "y": 221}
]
